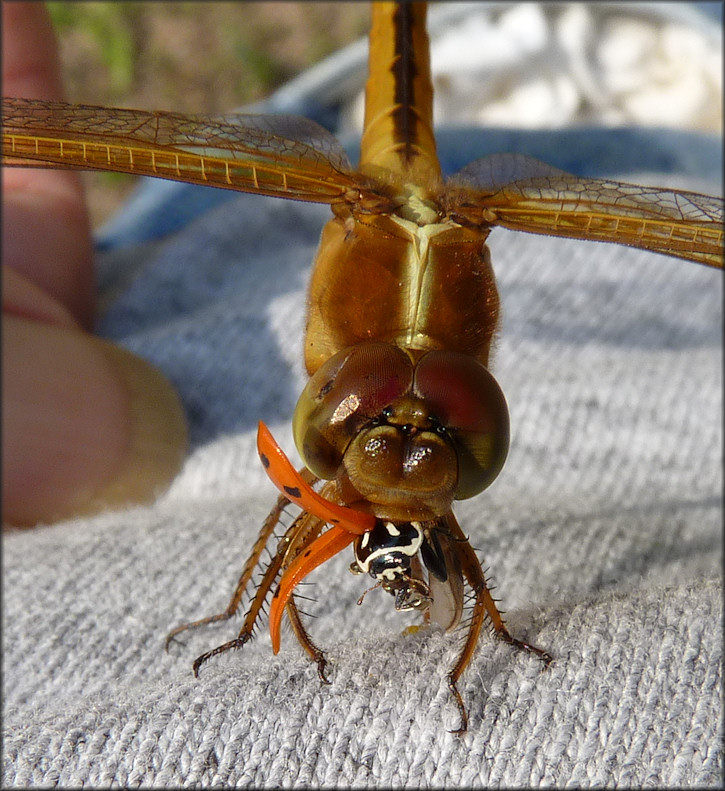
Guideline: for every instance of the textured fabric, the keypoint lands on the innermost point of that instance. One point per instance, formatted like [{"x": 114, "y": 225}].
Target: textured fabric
[{"x": 603, "y": 534}]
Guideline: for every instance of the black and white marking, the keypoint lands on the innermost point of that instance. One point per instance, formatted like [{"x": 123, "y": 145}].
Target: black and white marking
[{"x": 386, "y": 553}]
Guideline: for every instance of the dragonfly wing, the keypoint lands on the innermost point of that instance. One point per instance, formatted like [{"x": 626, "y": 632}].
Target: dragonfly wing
[
  {"x": 263, "y": 136},
  {"x": 447, "y": 595},
  {"x": 283, "y": 156},
  {"x": 523, "y": 194},
  {"x": 491, "y": 173}
]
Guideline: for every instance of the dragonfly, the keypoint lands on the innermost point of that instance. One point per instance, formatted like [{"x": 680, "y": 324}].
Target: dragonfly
[{"x": 401, "y": 416}]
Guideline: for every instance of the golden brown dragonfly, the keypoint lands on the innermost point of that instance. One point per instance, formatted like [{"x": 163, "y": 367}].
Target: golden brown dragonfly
[{"x": 400, "y": 416}]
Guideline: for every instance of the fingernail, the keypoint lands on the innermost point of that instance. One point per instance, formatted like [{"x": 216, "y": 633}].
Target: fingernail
[{"x": 87, "y": 426}]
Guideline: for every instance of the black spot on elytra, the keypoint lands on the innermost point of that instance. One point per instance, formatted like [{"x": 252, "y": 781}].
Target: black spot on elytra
[
  {"x": 292, "y": 491},
  {"x": 265, "y": 460}
]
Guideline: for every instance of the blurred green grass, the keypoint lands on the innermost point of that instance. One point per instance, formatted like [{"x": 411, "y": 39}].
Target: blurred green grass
[{"x": 190, "y": 57}]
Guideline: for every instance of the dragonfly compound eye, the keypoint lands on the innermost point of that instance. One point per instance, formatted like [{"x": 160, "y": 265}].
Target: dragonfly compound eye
[
  {"x": 469, "y": 403},
  {"x": 407, "y": 438},
  {"x": 349, "y": 391}
]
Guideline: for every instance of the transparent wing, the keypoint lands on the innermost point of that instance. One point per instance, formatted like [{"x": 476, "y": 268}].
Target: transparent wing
[
  {"x": 284, "y": 156},
  {"x": 447, "y": 595},
  {"x": 523, "y": 194}
]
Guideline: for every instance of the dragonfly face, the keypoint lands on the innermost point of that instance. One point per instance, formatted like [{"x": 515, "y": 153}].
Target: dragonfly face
[
  {"x": 405, "y": 432},
  {"x": 401, "y": 415}
]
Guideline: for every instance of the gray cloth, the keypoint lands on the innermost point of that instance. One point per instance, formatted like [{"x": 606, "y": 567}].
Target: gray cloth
[{"x": 602, "y": 532}]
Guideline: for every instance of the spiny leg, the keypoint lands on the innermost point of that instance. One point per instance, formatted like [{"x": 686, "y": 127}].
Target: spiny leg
[
  {"x": 270, "y": 523},
  {"x": 484, "y": 605},
  {"x": 245, "y": 633},
  {"x": 267, "y": 530},
  {"x": 306, "y": 527},
  {"x": 304, "y": 639},
  {"x": 238, "y": 642},
  {"x": 308, "y": 532},
  {"x": 303, "y": 531}
]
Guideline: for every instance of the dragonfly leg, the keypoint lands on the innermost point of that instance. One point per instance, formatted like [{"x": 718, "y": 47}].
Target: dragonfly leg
[
  {"x": 484, "y": 607},
  {"x": 304, "y": 639},
  {"x": 255, "y": 608},
  {"x": 250, "y": 619},
  {"x": 303, "y": 526},
  {"x": 304, "y": 529},
  {"x": 238, "y": 642},
  {"x": 270, "y": 523}
]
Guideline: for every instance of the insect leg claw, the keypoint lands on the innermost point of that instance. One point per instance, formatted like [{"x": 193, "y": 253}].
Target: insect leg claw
[
  {"x": 544, "y": 656},
  {"x": 461, "y": 708},
  {"x": 238, "y": 642},
  {"x": 321, "y": 666}
]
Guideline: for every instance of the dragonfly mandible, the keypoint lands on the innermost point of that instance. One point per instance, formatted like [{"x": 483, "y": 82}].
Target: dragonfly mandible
[{"x": 401, "y": 415}]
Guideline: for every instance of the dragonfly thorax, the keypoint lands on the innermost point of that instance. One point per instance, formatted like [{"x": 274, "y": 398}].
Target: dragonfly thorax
[{"x": 417, "y": 208}]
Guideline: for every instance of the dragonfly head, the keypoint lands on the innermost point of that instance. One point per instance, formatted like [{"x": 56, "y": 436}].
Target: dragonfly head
[{"x": 403, "y": 433}]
